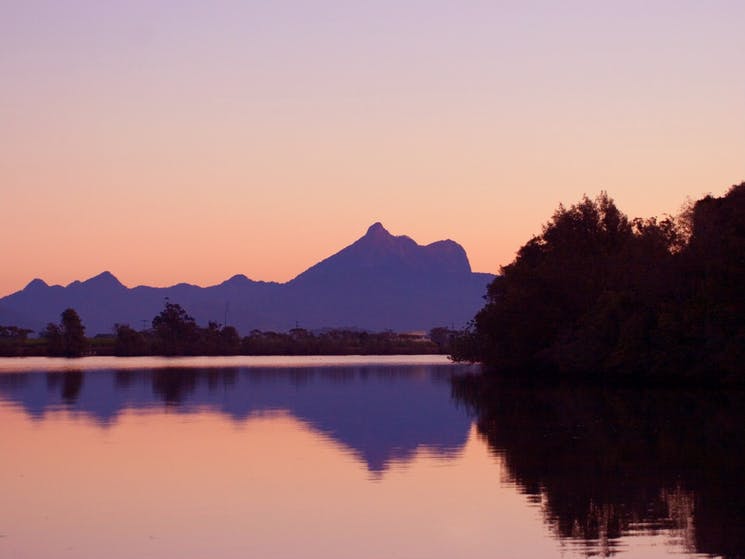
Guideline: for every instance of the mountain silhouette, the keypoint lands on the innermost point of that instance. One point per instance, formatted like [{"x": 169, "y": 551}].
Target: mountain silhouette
[
  {"x": 379, "y": 253},
  {"x": 379, "y": 282}
]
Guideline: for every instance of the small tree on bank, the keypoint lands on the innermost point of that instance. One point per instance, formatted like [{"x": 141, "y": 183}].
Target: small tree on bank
[
  {"x": 66, "y": 339},
  {"x": 128, "y": 341},
  {"x": 175, "y": 331}
]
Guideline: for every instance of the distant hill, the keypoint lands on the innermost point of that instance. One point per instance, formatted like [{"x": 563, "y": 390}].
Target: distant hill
[{"x": 379, "y": 282}]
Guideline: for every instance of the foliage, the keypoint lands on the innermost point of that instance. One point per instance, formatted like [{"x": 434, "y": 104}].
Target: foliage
[
  {"x": 334, "y": 342},
  {"x": 600, "y": 296},
  {"x": 73, "y": 334},
  {"x": 66, "y": 339},
  {"x": 443, "y": 338},
  {"x": 13, "y": 340},
  {"x": 175, "y": 331},
  {"x": 128, "y": 341}
]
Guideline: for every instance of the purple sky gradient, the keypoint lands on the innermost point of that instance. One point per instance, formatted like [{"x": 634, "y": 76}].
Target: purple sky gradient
[{"x": 188, "y": 141}]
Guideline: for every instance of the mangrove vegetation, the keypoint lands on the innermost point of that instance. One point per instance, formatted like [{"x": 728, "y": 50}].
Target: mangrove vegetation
[{"x": 600, "y": 296}]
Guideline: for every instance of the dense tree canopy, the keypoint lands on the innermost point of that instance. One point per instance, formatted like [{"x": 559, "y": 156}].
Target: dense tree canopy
[
  {"x": 13, "y": 340},
  {"x": 175, "y": 330},
  {"x": 600, "y": 295},
  {"x": 66, "y": 339}
]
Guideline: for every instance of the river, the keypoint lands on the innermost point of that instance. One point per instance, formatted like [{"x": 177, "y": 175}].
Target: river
[{"x": 362, "y": 457}]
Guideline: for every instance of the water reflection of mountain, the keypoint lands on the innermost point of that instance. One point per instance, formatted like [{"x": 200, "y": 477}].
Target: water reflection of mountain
[
  {"x": 381, "y": 413},
  {"x": 609, "y": 463}
]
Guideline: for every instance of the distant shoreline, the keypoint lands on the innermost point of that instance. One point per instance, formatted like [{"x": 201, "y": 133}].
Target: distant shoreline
[{"x": 92, "y": 363}]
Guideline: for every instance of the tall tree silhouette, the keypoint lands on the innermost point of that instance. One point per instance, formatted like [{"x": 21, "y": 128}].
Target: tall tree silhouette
[
  {"x": 73, "y": 334},
  {"x": 66, "y": 339},
  {"x": 601, "y": 296},
  {"x": 175, "y": 331}
]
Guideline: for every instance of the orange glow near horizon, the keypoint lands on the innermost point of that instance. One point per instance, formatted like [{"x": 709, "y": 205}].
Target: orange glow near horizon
[{"x": 169, "y": 143}]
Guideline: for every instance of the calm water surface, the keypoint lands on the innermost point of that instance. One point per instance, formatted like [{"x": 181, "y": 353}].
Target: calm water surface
[{"x": 353, "y": 457}]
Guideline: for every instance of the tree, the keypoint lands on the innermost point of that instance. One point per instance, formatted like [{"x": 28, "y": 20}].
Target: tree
[
  {"x": 582, "y": 298},
  {"x": 175, "y": 331},
  {"x": 129, "y": 341},
  {"x": 73, "y": 334},
  {"x": 714, "y": 266},
  {"x": 602, "y": 297},
  {"x": 443, "y": 338},
  {"x": 230, "y": 341},
  {"x": 542, "y": 294},
  {"x": 53, "y": 336},
  {"x": 13, "y": 340},
  {"x": 66, "y": 339}
]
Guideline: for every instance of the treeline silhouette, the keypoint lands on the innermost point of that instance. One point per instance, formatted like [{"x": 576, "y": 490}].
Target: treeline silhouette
[
  {"x": 66, "y": 339},
  {"x": 605, "y": 462},
  {"x": 174, "y": 332},
  {"x": 599, "y": 296},
  {"x": 14, "y": 341}
]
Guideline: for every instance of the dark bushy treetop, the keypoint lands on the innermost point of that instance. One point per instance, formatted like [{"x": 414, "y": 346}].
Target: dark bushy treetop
[
  {"x": 598, "y": 295},
  {"x": 66, "y": 339}
]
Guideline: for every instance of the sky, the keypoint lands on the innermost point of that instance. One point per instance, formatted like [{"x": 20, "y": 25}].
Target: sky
[{"x": 170, "y": 141}]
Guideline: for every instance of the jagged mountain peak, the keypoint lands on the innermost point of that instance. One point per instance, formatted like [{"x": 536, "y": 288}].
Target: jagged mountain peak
[
  {"x": 379, "y": 252},
  {"x": 378, "y": 236},
  {"x": 104, "y": 279},
  {"x": 377, "y": 229},
  {"x": 36, "y": 283},
  {"x": 237, "y": 280}
]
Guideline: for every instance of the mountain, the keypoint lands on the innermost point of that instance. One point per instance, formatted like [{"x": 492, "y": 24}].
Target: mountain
[{"x": 379, "y": 282}]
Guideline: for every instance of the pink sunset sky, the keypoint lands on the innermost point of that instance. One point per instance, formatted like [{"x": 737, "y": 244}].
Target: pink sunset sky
[{"x": 189, "y": 141}]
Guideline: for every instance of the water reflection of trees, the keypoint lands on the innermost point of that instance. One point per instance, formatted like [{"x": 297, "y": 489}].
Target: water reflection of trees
[
  {"x": 173, "y": 386},
  {"x": 605, "y": 463},
  {"x": 69, "y": 383}
]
